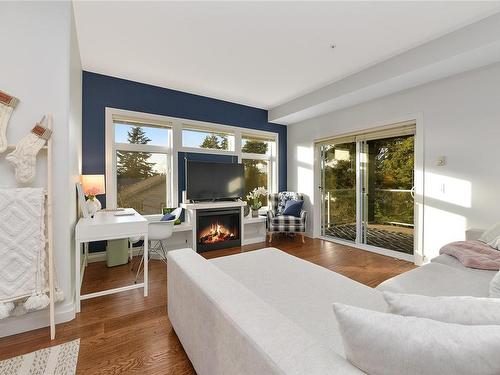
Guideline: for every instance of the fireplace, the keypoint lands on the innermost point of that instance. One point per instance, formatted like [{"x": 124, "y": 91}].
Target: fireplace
[{"x": 218, "y": 228}]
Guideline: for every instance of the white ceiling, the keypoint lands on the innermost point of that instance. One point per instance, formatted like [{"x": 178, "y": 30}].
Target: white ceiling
[{"x": 256, "y": 53}]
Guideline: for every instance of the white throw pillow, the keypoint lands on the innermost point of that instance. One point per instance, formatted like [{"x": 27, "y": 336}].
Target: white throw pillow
[
  {"x": 495, "y": 286},
  {"x": 492, "y": 236},
  {"x": 387, "y": 344},
  {"x": 459, "y": 310}
]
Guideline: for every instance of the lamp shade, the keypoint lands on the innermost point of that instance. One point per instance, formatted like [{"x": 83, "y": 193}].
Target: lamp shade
[{"x": 93, "y": 184}]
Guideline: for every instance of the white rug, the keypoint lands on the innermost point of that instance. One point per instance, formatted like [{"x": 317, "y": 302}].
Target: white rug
[{"x": 56, "y": 360}]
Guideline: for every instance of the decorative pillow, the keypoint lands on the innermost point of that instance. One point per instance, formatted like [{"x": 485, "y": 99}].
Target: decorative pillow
[
  {"x": 285, "y": 196},
  {"x": 173, "y": 211},
  {"x": 495, "y": 286},
  {"x": 293, "y": 208},
  {"x": 492, "y": 236},
  {"x": 387, "y": 344},
  {"x": 459, "y": 310},
  {"x": 167, "y": 217}
]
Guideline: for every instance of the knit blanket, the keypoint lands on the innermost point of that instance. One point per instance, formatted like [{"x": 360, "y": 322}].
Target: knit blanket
[
  {"x": 23, "y": 270},
  {"x": 473, "y": 254}
]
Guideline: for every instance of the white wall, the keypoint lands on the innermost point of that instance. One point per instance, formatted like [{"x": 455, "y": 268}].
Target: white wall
[
  {"x": 75, "y": 134},
  {"x": 461, "y": 120},
  {"x": 41, "y": 67}
]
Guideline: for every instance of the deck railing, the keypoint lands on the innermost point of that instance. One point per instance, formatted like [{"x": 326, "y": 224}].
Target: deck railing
[{"x": 389, "y": 206}]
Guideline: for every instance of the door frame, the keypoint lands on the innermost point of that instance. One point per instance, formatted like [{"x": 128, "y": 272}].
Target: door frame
[{"x": 418, "y": 256}]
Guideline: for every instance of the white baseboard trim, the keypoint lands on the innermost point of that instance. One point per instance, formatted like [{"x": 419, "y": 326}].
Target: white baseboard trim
[
  {"x": 35, "y": 320},
  {"x": 373, "y": 249}
]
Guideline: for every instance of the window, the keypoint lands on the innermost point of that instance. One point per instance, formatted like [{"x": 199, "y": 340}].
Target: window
[
  {"x": 142, "y": 154},
  {"x": 256, "y": 175},
  {"x": 198, "y": 138},
  {"x": 258, "y": 158}
]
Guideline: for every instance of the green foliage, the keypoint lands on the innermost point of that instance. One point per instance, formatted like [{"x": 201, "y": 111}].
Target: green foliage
[
  {"x": 255, "y": 177},
  {"x": 394, "y": 162},
  {"x": 135, "y": 164},
  {"x": 215, "y": 141},
  {"x": 255, "y": 147},
  {"x": 391, "y": 163},
  {"x": 254, "y": 169},
  {"x": 393, "y": 207}
]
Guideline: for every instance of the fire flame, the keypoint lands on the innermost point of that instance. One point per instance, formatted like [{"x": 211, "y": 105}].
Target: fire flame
[{"x": 216, "y": 233}]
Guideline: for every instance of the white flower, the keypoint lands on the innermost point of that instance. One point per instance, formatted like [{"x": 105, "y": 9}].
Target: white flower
[{"x": 261, "y": 191}]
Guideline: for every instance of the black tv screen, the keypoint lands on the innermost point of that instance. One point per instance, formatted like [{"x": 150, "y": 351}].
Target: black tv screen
[{"x": 214, "y": 181}]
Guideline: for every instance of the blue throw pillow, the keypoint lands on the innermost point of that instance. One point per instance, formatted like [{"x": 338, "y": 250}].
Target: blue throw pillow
[
  {"x": 293, "y": 208},
  {"x": 167, "y": 217}
]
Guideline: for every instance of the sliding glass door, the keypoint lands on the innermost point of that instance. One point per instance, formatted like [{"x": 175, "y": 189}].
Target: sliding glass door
[{"x": 367, "y": 184}]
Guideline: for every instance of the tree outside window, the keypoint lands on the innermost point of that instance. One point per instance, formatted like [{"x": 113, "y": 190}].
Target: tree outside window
[
  {"x": 141, "y": 176},
  {"x": 215, "y": 141}
]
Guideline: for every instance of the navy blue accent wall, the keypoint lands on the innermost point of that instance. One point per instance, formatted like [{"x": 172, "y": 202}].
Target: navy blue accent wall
[{"x": 100, "y": 91}]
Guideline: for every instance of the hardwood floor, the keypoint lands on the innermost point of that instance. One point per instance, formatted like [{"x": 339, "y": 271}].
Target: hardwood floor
[{"x": 126, "y": 333}]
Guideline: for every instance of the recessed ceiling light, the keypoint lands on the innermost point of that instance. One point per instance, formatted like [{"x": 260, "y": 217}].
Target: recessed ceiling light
[{"x": 333, "y": 46}]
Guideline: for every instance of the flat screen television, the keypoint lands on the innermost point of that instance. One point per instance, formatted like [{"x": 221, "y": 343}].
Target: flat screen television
[{"x": 214, "y": 181}]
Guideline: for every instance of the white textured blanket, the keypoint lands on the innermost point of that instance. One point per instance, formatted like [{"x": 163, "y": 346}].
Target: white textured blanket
[{"x": 22, "y": 248}]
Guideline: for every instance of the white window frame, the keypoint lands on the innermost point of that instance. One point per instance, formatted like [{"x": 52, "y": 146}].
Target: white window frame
[{"x": 177, "y": 125}]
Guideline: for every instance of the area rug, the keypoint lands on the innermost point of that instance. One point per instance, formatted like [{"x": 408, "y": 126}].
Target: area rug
[{"x": 56, "y": 360}]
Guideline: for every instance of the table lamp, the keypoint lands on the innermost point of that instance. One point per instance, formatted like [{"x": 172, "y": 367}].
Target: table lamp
[{"x": 93, "y": 184}]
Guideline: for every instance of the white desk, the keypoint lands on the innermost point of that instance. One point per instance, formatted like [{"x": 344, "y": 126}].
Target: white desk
[{"x": 107, "y": 226}]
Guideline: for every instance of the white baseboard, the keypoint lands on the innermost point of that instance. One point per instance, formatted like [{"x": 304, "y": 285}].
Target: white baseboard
[{"x": 35, "y": 320}]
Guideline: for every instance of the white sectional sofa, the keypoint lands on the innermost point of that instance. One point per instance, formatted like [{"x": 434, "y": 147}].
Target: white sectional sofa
[{"x": 266, "y": 312}]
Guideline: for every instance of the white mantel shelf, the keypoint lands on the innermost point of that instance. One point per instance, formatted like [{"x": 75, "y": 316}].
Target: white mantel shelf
[{"x": 208, "y": 205}]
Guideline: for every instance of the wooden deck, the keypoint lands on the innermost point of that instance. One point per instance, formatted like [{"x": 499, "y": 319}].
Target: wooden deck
[{"x": 384, "y": 236}]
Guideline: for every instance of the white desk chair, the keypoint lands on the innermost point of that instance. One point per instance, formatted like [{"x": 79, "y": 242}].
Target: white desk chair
[
  {"x": 158, "y": 231},
  {"x": 153, "y": 218}
]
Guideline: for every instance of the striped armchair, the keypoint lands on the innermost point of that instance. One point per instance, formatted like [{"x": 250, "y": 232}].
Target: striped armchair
[{"x": 278, "y": 223}]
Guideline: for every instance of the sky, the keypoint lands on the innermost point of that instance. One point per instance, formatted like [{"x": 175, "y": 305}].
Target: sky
[{"x": 159, "y": 137}]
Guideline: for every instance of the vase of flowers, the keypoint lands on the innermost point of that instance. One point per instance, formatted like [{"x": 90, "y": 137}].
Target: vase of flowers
[
  {"x": 93, "y": 204},
  {"x": 253, "y": 199}
]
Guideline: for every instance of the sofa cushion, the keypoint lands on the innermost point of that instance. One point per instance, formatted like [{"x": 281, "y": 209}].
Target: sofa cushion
[
  {"x": 286, "y": 220},
  {"x": 226, "y": 329},
  {"x": 388, "y": 344},
  {"x": 435, "y": 279},
  {"x": 300, "y": 290},
  {"x": 450, "y": 261},
  {"x": 492, "y": 236},
  {"x": 458, "y": 309}
]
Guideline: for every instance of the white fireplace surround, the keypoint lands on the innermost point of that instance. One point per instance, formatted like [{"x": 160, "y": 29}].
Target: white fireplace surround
[{"x": 253, "y": 230}]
